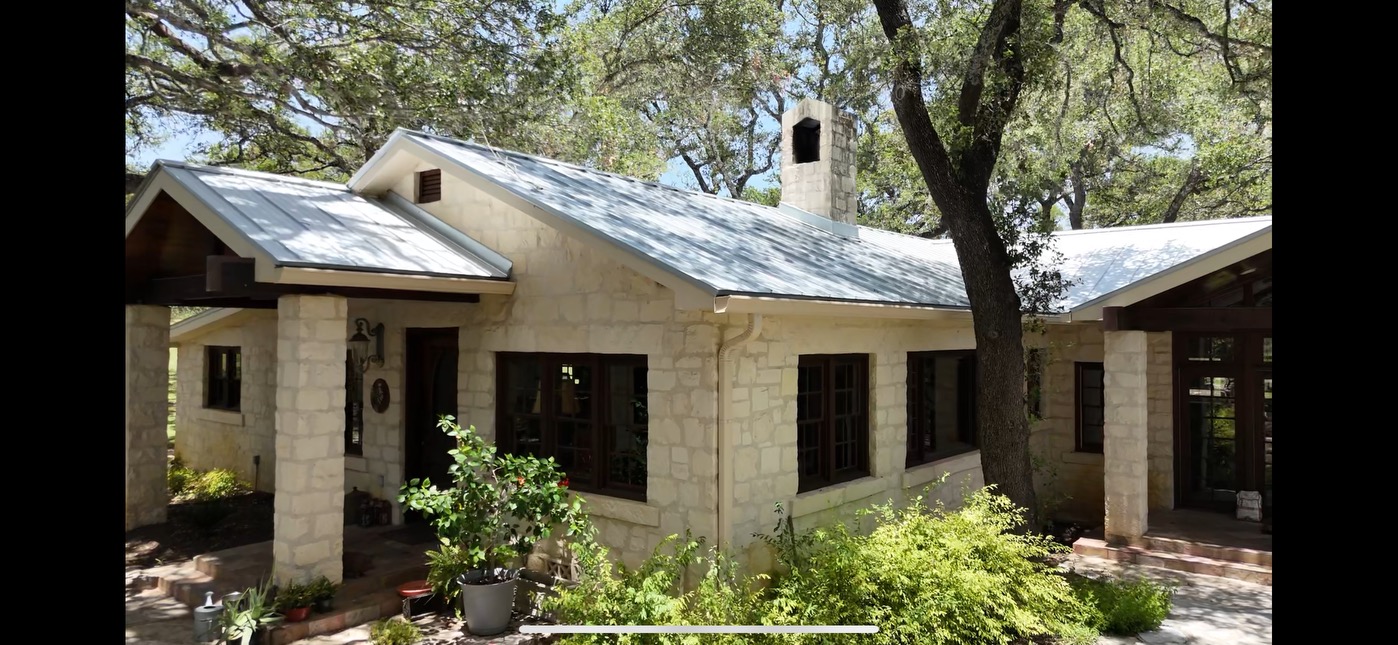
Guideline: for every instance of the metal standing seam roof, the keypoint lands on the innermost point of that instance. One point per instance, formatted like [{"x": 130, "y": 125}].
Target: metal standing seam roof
[
  {"x": 1100, "y": 261},
  {"x": 314, "y": 224},
  {"x": 727, "y": 246}
]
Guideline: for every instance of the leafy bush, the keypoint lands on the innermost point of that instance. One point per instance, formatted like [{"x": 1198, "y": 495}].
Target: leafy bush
[
  {"x": 322, "y": 589},
  {"x": 293, "y": 595},
  {"x": 929, "y": 576},
  {"x": 179, "y": 476},
  {"x": 653, "y": 594},
  {"x": 219, "y": 483},
  {"x": 1124, "y": 607},
  {"x": 394, "y": 631}
]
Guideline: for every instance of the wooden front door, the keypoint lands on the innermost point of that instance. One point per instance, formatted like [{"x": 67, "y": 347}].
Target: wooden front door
[
  {"x": 430, "y": 392},
  {"x": 1222, "y": 418}
]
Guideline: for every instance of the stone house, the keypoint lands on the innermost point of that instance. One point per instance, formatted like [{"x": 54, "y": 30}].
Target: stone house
[{"x": 690, "y": 360}]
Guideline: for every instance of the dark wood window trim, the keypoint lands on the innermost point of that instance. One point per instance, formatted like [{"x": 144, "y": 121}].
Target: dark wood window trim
[
  {"x": 922, "y": 434},
  {"x": 354, "y": 407},
  {"x": 429, "y": 186},
  {"x": 223, "y": 378},
  {"x": 1089, "y": 398},
  {"x": 598, "y": 443},
  {"x": 832, "y": 392},
  {"x": 1035, "y": 362}
]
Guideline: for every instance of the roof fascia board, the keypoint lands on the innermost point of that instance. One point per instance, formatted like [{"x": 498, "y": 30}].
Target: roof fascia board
[
  {"x": 450, "y": 233},
  {"x": 803, "y": 307},
  {"x": 689, "y": 293},
  {"x": 372, "y": 280},
  {"x": 202, "y": 210},
  {"x": 371, "y": 168},
  {"x": 1194, "y": 268}
]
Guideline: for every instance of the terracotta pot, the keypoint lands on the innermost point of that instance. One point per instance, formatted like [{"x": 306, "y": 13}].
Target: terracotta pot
[{"x": 298, "y": 614}]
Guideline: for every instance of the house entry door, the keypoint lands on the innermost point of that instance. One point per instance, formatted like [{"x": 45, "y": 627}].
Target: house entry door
[
  {"x": 1223, "y": 419},
  {"x": 430, "y": 393}
]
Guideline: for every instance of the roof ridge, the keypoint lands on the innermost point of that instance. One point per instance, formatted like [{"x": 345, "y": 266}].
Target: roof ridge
[
  {"x": 567, "y": 164},
  {"x": 243, "y": 172}
]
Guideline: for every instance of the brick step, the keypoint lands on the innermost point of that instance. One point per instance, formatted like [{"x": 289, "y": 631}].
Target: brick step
[
  {"x": 188, "y": 586},
  {"x": 1174, "y": 561},
  {"x": 360, "y": 610},
  {"x": 1203, "y": 550}
]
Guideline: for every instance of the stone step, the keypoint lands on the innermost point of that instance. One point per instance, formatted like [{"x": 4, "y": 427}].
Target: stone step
[
  {"x": 360, "y": 610},
  {"x": 1203, "y": 549},
  {"x": 1253, "y": 573},
  {"x": 189, "y": 587}
]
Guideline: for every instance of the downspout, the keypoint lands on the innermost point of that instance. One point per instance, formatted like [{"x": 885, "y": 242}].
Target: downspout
[{"x": 724, "y": 517}]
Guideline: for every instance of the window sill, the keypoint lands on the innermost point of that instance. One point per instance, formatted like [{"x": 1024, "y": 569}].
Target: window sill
[
  {"x": 1084, "y": 458},
  {"x": 356, "y": 463},
  {"x": 625, "y": 510},
  {"x": 215, "y": 415},
  {"x": 814, "y": 501},
  {"x": 923, "y": 474}
]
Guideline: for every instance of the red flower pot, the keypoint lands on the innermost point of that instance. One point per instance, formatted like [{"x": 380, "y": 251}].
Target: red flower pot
[{"x": 298, "y": 614}]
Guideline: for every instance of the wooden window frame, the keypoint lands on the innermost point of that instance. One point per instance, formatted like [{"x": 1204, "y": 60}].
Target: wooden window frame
[
  {"x": 917, "y": 409},
  {"x": 427, "y": 186},
  {"x": 602, "y": 436},
  {"x": 354, "y": 406},
  {"x": 223, "y": 391},
  {"x": 1078, "y": 444},
  {"x": 827, "y": 474}
]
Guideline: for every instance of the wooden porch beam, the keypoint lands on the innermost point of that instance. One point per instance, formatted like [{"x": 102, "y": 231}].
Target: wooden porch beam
[{"x": 1220, "y": 319}]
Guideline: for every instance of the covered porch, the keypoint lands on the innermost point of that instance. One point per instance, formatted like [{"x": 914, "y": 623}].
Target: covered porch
[
  {"x": 230, "y": 239},
  {"x": 1198, "y": 466}
]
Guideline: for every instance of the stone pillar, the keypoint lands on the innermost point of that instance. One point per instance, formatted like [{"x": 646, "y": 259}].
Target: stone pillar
[
  {"x": 147, "y": 398},
  {"x": 1125, "y": 464},
  {"x": 308, "y": 529}
]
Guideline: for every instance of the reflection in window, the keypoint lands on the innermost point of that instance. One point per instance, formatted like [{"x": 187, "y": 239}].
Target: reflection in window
[
  {"x": 941, "y": 405},
  {"x": 1091, "y": 410},
  {"x": 1213, "y": 435},
  {"x": 832, "y": 419},
  {"x": 1210, "y": 349}
]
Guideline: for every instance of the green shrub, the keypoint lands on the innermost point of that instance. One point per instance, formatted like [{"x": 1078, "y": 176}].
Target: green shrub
[
  {"x": 1123, "y": 607},
  {"x": 394, "y": 631},
  {"x": 930, "y": 576},
  {"x": 293, "y": 595},
  {"x": 219, "y": 483},
  {"x": 178, "y": 476}
]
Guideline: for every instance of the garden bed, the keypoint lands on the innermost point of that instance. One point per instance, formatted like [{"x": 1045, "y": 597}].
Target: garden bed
[{"x": 194, "y": 528}]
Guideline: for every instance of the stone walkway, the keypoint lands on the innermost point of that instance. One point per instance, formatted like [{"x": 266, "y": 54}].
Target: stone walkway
[{"x": 1207, "y": 610}]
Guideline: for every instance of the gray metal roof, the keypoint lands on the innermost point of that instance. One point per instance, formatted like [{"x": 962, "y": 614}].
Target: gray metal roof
[
  {"x": 726, "y": 246},
  {"x": 313, "y": 224},
  {"x": 1100, "y": 261}
]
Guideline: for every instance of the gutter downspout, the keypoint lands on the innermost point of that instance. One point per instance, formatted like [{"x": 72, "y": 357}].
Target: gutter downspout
[{"x": 724, "y": 517}]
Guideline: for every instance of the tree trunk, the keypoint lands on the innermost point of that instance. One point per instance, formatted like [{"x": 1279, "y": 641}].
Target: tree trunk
[
  {"x": 1079, "y": 199},
  {"x": 1191, "y": 183}
]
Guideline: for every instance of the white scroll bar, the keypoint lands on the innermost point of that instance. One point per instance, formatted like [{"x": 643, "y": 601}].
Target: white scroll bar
[{"x": 698, "y": 629}]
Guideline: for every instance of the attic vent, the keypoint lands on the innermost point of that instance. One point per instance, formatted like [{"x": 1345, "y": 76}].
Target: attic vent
[
  {"x": 805, "y": 139},
  {"x": 429, "y": 186}
]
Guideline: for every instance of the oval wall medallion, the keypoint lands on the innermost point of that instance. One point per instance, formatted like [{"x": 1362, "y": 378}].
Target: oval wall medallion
[{"x": 378, "y": 395}]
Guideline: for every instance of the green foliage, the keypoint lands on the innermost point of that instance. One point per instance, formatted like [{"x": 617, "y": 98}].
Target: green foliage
[
  {"x": 178, "y": 476},
  {"x": 219, "y": 483},
  {"x": 1124, "y": 607},
  {"x": 254, "y": 612},
  {"x": 928, "y": 575},
  {"x": 322, "y": 589},
  {"x": 654, "y": 594},
  {"x": 293, "y": 595},
  {"x": 498, "y": 506},
  {"x": 443, "y": 567},
  {"x": 394, "y": 631}
]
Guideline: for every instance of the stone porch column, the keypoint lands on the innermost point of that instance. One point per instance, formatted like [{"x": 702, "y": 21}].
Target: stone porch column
[
  {"x": 147, "y": 395},
  {"x": 1125, "y": 464},
  {"x": 308, "y": 528}
]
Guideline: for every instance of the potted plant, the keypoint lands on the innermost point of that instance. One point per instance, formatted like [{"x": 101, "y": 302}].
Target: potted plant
[
  {"x": 294, "y": 600},
  {"x": 323, "y": 594},
  {"x": 251, "y": 615},
  {"x": 497, "y": 509}
]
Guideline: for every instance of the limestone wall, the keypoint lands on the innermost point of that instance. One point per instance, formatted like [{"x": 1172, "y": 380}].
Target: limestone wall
[
  {"x": 764, "y": 422},
  {"x": 1160, "y": 419},
  {"x": 207, "y": 438},
  {"x": 1065, "y": 472}
]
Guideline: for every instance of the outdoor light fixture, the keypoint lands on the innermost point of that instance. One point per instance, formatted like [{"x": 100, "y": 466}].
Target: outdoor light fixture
[{"x": 359, "y": 344}]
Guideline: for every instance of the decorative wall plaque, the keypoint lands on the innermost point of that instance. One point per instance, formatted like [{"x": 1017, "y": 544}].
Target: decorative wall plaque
[{"x": 378, "y": 396}]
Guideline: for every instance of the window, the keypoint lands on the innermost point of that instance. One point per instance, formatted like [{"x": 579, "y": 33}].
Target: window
[
  {"x": 941, "y": 405},
  {"x": 832, "y": 419},
  {"x": 429, "y": 186},
  {"x": 1034, "y": 361},
  {"x": 587, "y": 411},
  {"x": 354, "y": 406},
  {"x": 223, "y": 385},
  {"x": 1090, "y": 407}
]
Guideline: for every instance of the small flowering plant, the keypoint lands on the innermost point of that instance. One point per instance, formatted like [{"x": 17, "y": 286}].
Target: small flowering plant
[{"x": 498, "y": 507}]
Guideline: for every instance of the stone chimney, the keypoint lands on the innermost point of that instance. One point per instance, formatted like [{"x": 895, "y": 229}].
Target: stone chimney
[{"x": 818, "y": 160}]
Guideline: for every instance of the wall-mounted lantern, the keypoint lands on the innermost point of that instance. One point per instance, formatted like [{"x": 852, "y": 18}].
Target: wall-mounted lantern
[{"x": 359, "y": 344}]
